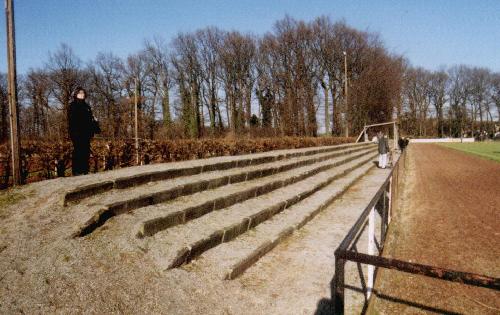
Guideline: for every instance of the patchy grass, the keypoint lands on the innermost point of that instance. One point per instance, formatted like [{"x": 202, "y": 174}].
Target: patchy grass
[
  {"x": 487, "y": 150},
  {"x": 8, "y": 198}
]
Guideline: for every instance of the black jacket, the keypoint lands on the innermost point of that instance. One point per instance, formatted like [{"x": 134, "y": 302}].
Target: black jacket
[
  {"x": 82, "y": 125},
  {"x": 401, "y": 143}
]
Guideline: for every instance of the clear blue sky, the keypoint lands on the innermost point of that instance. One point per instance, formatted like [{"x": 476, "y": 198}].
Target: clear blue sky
[{"x": 430, "y": 33}]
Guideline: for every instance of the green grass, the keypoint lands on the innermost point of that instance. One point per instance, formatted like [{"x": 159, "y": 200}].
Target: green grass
[{"x": 487, "y": 150}]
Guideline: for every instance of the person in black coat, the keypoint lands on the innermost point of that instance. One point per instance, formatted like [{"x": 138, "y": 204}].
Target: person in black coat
[
  {"x": 82, "y": 127},
  {"x": 402, "y": 144}
]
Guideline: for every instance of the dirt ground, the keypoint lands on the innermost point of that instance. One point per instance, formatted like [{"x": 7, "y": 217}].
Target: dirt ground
[{"x": 450, "y": 219}]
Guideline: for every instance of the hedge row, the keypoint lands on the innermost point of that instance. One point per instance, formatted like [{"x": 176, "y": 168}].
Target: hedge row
[{"x": 44, "y": 160}]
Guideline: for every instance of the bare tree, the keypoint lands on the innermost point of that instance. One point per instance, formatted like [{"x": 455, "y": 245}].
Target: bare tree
[
  {"x": 459, "y": 91},
  {"x": 237, "y": 55},
  {"x": 37, "y": 87},
  {"x": 209, "y": 41},
  {"x": 418, "y": 98},
  {"x": 374, "y": 76},
  {"x": 479, "y": 82},
  {"x": 64, "y": 68},
  {"x": 324, "y": 50},
  {"x": 495, "y": 92},
  {"x": 293, "y": 71},
  {"x": 188, "y": 78},
  {"x": 268, "y": 87},
  {"x": 158, "y": 60},
  {"x": 106, "y": 79},
  {"x": 307, "y": 78},
  {"x": 376, "y": 86},
  {"x": 4, "y": 109},
  {"x": 438, "y": 87},
  {"x": 353, "y": 43},
  {"x": 135, "y": 82}
]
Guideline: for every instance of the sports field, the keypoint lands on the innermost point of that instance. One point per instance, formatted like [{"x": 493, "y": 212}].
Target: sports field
[
  {"x": 448, "y": 219},
  {"x": 487, "y": 150}
]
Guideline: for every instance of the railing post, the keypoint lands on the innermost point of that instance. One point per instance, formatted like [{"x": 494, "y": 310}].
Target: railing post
[
  {"x": 396, "y": 177},
  {"x": 338, "y": 286},
  {"x": 371, "y": 251},
  {"x": 389, "y": 208}
]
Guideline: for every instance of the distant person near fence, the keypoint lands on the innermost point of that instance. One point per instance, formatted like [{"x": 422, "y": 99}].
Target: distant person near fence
[{"x": 403, "y": 143}]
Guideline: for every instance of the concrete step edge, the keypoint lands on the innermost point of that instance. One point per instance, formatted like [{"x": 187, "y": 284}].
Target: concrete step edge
[
  {"x": 271, "y": 242},
  {"x": 154, "y": 225},
  {"x": 254, "y": 220},
  {"x": 86, "y": 191},
  {"x": 149, "y": 199}
]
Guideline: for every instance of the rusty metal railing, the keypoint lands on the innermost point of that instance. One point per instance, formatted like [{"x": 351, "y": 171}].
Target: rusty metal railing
[{"x": 383, "y": 203}]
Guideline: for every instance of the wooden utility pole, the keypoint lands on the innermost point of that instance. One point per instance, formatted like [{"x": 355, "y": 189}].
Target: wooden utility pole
[{"x": 12, "y": 93}]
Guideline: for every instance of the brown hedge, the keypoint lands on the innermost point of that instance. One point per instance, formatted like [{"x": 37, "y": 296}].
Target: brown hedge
[{"x": 44, "y": 160}]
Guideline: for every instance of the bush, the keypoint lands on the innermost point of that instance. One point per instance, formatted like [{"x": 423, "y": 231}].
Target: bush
[{"x": 44, "y": 160}]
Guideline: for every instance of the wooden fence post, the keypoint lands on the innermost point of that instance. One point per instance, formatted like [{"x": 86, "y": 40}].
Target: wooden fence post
[
  {"x": 338, "y": 286},
  {"x": 371, "y": 251}
]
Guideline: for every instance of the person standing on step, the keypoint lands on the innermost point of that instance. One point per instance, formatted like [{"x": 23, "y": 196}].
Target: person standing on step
[
  {"x": 383, "y": 149},
  {"x": 82, "y": 127}
]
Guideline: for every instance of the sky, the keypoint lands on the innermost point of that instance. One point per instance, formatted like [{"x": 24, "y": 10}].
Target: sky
[{"x": 429, "y": 33}]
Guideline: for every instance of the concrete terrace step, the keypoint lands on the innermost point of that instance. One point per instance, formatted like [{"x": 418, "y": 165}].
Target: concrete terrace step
[
  {"x": 125, "y": 178},
  {"x": 182, "y": 243},
  {"x": 162, "y": 216},
  {"x": 229, "y": 260},
  {"x": 101, "y": 208}
]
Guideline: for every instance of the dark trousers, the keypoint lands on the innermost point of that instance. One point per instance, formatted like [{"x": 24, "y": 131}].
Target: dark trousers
[{"x": 81, "y": 155}]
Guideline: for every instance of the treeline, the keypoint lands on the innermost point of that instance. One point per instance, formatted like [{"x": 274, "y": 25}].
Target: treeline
[
  {"x": 459, "y": 101},
  {"x": 287, "y": 82},
  {"x": 213, "y": 82}
]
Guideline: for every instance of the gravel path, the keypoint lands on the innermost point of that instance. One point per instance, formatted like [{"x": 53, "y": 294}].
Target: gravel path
[{"x": 295, "y": 277}]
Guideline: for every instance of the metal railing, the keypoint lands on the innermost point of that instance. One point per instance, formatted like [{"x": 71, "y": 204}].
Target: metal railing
[{"x": 383, "y": 203}]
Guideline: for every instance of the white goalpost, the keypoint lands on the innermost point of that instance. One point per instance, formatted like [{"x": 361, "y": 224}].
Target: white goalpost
[{"x": 395, "y": 132}]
